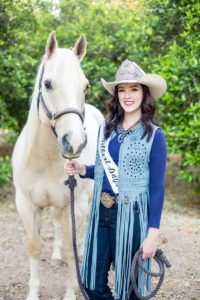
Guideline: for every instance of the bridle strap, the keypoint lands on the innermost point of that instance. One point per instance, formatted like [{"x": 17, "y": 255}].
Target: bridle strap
[
  {"x": 45, "y": 108},
  {"x": 68, "y": 111},
  {"x": 40, "y": 87},
  {"x": 54, "y": 116}
]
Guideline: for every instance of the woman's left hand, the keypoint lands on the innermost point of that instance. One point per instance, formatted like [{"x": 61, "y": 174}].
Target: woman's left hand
[{"x": 149, "y": 245}]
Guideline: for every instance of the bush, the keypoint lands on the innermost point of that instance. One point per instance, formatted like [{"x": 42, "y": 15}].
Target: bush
[
  {"x": 161, "y": 36},
  {"x": 5, "y": 171}
]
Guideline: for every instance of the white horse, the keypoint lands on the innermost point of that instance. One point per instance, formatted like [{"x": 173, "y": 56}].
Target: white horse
[{"x": 55, "y": 130}]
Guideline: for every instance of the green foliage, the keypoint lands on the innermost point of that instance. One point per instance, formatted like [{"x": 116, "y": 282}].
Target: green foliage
[
  {"x": 5, "y": 171},
  {"x": 107, "y": 26},
  {"x": 20, "y": 53},
  {"x": 162, "y": 36},
  {"x": 178, "y": 61}
]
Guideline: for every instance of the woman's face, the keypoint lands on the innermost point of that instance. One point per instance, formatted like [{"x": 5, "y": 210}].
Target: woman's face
[{"x": 130, "y": 96}]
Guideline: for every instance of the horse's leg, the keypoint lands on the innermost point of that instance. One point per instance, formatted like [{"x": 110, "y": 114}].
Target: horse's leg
[
  {"x": 31, "y": 217},
  {"x": 57, "y": 245}
]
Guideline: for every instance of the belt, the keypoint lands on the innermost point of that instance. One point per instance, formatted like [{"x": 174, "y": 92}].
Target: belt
[{"x": 108, "y": 200}]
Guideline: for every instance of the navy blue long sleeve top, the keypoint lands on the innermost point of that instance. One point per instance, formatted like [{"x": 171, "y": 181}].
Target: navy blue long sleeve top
[{"x": 157, "y": 167}]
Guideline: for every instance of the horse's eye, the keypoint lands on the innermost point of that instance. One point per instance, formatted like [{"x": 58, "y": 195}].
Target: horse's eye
[{"x": 48, "y": 84}]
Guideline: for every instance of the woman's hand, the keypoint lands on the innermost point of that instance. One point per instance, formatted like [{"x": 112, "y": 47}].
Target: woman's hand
[
  {"x": 72, "y": 167},
  {"x": 149, "y": 245}
]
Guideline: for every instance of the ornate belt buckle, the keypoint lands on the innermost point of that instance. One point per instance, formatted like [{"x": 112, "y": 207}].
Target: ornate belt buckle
[{"x": 107, "y": 200}]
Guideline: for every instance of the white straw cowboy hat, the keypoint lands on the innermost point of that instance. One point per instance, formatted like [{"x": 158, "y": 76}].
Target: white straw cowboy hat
[{"x": 130, "y": 72}]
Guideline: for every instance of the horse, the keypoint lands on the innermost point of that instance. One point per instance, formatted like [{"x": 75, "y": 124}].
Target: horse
[{"x": 59, "y": 126}]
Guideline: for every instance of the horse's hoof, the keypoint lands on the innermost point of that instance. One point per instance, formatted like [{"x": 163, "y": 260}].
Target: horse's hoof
[
  {"x": 70, "y": 295},
  {"x": 67, "y": 298},
  {"x": 56, "y": 262},
  {"x": 32, "y": 297}
]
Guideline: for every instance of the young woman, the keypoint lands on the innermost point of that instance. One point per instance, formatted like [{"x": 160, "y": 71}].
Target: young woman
[{"x": 129, "y": 176}]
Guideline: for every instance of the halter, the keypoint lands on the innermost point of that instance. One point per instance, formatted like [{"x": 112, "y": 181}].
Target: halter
[{"x": 54, "y": 116}]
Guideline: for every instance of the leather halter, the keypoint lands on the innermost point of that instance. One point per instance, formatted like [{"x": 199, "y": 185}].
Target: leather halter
[{"x": 54, "y": 116}]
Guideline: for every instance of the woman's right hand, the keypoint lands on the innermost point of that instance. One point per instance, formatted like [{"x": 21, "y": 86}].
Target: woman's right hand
[{"x": 72, "y": 167}]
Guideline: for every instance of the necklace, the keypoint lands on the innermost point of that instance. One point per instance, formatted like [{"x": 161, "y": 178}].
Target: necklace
[{"x": 123, "y": 133}]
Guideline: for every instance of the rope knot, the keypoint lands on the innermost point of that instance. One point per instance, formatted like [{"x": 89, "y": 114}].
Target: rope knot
[
  {"x": 160, "y": 254},
  {"x": 71, "y": 182}
]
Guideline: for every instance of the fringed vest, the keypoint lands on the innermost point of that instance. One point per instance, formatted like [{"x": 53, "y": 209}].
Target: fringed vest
[{"x": 133, "y": 186}]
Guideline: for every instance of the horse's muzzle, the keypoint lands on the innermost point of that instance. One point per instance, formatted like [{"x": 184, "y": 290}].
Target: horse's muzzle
[{"x": 68, "y": 150}]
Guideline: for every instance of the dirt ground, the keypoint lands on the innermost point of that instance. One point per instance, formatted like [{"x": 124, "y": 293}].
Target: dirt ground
[{"x": 179, "y": 238}]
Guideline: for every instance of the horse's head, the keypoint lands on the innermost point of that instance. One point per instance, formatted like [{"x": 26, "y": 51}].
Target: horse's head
[{"x": 62, "y": 94}]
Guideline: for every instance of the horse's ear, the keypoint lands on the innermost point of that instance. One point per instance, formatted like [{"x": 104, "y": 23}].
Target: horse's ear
[
  {"x": 80, "y": 47},
  {"x": 51, "y": 44}
]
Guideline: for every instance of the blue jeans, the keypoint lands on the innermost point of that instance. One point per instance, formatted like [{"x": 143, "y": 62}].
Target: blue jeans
[{"x": 106, "y": 251}]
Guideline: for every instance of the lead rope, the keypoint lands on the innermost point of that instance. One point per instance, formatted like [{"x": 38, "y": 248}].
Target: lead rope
[
  {"x": 72, "y": 183},
  {"x": 137, "y": 263}
]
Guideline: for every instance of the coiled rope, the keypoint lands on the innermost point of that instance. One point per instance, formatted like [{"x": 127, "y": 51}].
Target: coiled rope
[{"x": 137, "y": 263}]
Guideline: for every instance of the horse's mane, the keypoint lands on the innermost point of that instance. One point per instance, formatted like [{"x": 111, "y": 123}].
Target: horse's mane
[{"x": 30, "y": 129}]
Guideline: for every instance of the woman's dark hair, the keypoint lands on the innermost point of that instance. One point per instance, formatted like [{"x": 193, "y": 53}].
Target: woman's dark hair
[{"x": 116, "y": 113}]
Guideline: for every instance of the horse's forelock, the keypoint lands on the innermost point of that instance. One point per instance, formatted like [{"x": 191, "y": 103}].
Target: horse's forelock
[{"x": 66, "y": 65}]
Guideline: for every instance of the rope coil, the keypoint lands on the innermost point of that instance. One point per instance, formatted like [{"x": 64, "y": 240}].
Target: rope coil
[{"x": 137, "y": 263}]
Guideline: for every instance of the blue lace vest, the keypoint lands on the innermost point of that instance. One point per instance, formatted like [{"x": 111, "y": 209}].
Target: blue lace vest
[{"x": 133, "y": 186}]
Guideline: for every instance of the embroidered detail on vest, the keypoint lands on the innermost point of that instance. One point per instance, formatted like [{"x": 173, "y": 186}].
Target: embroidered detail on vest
[{"x": 133, "y": 186}]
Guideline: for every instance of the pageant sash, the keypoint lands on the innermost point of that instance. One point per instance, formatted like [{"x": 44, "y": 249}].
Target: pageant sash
[{"x": 111, "y": 169}]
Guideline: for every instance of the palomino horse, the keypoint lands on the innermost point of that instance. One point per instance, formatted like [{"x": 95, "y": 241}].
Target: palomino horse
[{"x": 56, "y": 129}]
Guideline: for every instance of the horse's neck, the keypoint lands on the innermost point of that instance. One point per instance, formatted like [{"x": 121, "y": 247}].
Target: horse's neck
[{"x": 45, "y": 146}]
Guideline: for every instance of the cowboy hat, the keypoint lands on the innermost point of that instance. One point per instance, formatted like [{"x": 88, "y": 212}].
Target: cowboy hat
[{"x": 130, "y": 72}]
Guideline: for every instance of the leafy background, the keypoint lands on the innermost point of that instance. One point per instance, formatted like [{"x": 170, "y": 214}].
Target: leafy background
[{"x": 162, "y": 36}]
